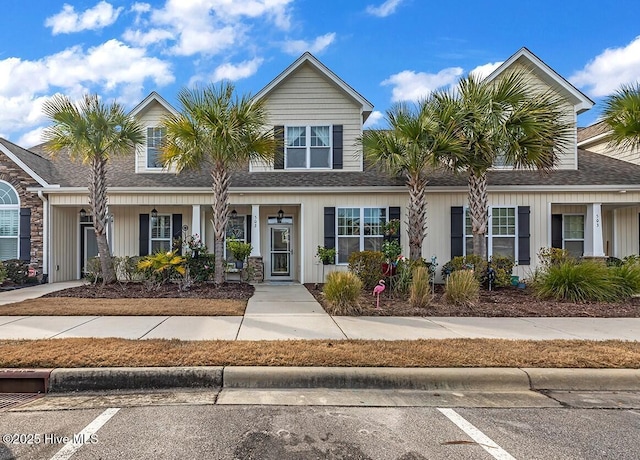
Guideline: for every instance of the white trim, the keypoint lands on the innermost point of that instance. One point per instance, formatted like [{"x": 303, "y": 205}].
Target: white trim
[
  {"x": 580, "y": 101},
  {"x": 594, "y": 139},
  {"x": 307, "y": 57},
  {"x": 152, "y": 239},
  {"x": 308, "y": 147},
  {"x": 24, "y": 167},
  {"x": 489, "y": 235},
  {"x": 584, "y": 223},
  {"x": 361, "y": 236},
  {"x": 153, "y": 97}
]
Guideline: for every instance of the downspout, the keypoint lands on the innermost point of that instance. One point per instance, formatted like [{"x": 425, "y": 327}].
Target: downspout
[{"x": 45, "y": 237}]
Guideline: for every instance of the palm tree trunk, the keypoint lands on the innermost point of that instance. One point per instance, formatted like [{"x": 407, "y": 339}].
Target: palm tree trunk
[
  {"x": 478, "y": 211},
  {"x": 98, "y": 203},
  {"x": 416, "y": 215},
  {"x": 220, "y": 184}
]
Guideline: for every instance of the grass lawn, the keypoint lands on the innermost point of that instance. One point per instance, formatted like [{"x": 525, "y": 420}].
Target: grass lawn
[
  {"x": 74, "y": 306},
  {"x": 362, "y": 353}
]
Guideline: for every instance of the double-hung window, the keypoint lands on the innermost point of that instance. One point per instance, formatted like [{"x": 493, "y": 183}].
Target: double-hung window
[
  {"x": 160, "y": 240},
  {"x": 501, "y": 234},
  {"x": 155, "y": 139},
  {"x": 359, "y": 229},
  {"x": 573, "y": 234},
  {"x": 9, "y": 222},
  {"x": 308, "y": 147}
]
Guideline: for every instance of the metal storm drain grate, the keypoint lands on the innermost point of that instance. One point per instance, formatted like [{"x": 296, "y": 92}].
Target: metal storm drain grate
[{"x": 11, "y": 400}]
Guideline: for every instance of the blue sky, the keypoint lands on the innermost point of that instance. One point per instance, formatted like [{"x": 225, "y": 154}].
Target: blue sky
[{"x": 387, "y": 50}]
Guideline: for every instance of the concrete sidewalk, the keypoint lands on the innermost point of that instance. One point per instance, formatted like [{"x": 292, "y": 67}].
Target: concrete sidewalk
[{"x": 281, "y": 312}]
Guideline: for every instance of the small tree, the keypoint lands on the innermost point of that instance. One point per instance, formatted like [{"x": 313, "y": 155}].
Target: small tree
[
  {"x": 92, "y": 132},
  {"x": 622, "y": 114}
]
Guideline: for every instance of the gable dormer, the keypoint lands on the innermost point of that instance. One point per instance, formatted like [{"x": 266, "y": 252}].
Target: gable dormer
[
  {"x": 317, "y": 116},
  {"x": 544, "y": 78},
  {"x": 150, "y": 113}
]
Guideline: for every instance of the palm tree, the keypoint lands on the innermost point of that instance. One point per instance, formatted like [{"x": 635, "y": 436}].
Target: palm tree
[
  {"x": 92, "y": 131},
  {"x": 416, "y": 137},
  {"x": 508, "y": 121},
  {"x": 622, "y": 113},
  {"x": 221, "y": 131}
]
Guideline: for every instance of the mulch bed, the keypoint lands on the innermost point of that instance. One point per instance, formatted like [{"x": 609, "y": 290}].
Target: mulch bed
[
  {"x": 236, "y": 291},
  {"x": 507, "y": 302}
]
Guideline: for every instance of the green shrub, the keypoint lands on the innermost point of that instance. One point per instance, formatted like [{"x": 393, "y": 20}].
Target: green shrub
[
  {"x": 503, "y": 266},
  {"x": 587, "y": 281},
  {"x": 126, "y": 268},
  {"x": 17, "y": 270},
  {"x": 3, "y": 273},
  {"x": 549, "y": 257},
  {"x": 462, "y": 288},
  {"x": 477, "y": 263},
  {"x": 420, "y": 291},
  {"x": 93, "y": 270},
  {"x": 342, "y": 290},
  {"x": 367, "y": 265},
  {"x": 201, "y": 268},
  {"x": 627, "y": 279}
]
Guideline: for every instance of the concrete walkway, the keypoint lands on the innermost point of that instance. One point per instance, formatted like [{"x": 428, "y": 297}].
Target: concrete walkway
[{"x": 289, "y": 311}]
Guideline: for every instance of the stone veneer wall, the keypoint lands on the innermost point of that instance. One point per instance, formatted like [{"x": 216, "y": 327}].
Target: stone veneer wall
[
  {"x": 255, "y": 270},
  {"x": 20, "y": 180}
]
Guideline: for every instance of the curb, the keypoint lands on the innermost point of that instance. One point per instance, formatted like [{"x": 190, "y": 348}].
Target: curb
[
  {"x": 381, "y": 378},
  {"x": 133, "y": 378},
  {"x": 384, "y": 378}
]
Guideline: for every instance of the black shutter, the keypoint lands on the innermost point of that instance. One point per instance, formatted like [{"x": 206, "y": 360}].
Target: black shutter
[
  {"x": 337, "y": 147},
  {"x": 25, "y": 234},
  {"x": 144, "y": 235},
  {"x": 556, "y": 231},
  {"x": 278, "y": 134},
  {"x": 524, "y": 235},
  {"x": 176, "y": 225},
  {"x": 457, "y": 231},
  {"x": 394, "y": 213},
  {"x": 329, "y": 228},
  {"x": 248, "y": 231}
]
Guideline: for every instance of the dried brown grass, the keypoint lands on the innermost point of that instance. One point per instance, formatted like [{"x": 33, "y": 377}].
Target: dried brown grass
[
  {"x": 362, "y": 353},
  {"x": 72, "y": 306}
]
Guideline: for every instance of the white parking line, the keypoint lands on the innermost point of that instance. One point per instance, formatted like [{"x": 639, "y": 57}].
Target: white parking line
[
  {"x": 478, "y": 436},
  {"x": 70, "y": 448}
]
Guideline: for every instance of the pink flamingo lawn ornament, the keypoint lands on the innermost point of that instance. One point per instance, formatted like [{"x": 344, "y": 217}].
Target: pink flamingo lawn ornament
[{"x": 377, "y": 291}]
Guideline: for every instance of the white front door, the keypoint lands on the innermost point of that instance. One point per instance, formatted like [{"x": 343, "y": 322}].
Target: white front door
[{"x": 280, "y": 263}]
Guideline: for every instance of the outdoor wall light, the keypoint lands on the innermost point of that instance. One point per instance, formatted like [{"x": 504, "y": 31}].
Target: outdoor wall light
[
  {"x": 234, "y": 214},
  {"x": 154, "y": 213},
  {"x": 83, "y": 213},
  {"x": 280, "y": 215}
]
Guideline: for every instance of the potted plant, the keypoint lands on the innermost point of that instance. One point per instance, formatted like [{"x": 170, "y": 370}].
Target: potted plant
[
  {"x": 240, "y": 251},
  {"x": 326, "y": 255}
]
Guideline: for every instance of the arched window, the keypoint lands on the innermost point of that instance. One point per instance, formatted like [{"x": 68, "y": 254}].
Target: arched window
[{"x": 9, "y": 221}]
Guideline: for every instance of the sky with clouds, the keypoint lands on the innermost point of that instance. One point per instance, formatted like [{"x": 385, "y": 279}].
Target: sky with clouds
[{"x": 389, "y": 51}]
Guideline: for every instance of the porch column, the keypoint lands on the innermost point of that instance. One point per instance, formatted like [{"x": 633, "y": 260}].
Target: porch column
[
  {"x": 593, "y": 246},
  {"x": 255, "y": 230},
  {"x": 195, "y": 221}
]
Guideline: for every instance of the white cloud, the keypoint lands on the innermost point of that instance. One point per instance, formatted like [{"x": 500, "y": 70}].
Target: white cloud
[
  {"x": 610, "y": 69},
  {"x": 483, "y": 71},
  {"x": 374, "y": 119},
  {"x": 316, "y": 46},
  {"x": 413, "y": 86},
  {"x": 31, "y": 138},
  {"x": 384, "y": 10},
  {"x": 234, "y": 72},
  {"x": 111, "y": 67},
  {"x": 68, "y": 21}
]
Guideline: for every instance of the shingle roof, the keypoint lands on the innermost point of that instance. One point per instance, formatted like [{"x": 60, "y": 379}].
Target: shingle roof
[
  {"x": 593, "y": 169},
  {"x": 592, "y": 131},
  {"x": 36, "y": 162}
]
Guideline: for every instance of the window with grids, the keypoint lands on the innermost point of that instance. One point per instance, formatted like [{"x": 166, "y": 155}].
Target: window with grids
[
  {"x": 160, "y": 240},
  {"x": 359, "y": 229},
  {"x": 573, "y": 234},
  {"x": 9, "y": 222},
  {"x": 501, "y": 234},
  {"x": 155, "y": 139},
  {"x": 308, "y": 147}
]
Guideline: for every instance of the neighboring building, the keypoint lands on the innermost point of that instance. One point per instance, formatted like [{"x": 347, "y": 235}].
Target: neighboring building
[{"x": 317, "y": 193}]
